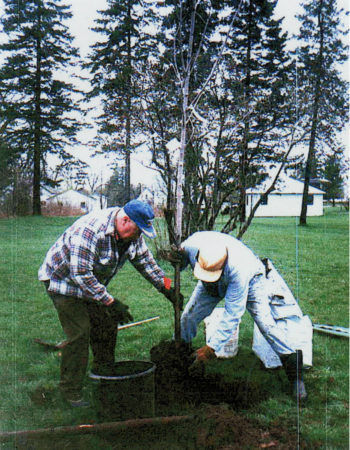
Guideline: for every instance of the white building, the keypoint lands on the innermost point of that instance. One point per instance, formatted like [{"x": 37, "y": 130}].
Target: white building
[
  {"x": 77, "y": 200},
  {"x": 154, "y": 197},
  {"x": 285, "y": 200}
]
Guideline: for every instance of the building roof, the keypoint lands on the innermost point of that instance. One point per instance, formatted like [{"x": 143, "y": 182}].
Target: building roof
[
  {"x": 47, "y": 192},
  {"x": 284, "y": 185},
  {"x": 69, "y": 191}
]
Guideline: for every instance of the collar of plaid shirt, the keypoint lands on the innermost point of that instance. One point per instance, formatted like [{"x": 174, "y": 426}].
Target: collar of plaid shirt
[{"x": 110, "y": 229}]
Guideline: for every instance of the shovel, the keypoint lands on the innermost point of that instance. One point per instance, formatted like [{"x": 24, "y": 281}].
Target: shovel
[{"x": 62, "y": 344}]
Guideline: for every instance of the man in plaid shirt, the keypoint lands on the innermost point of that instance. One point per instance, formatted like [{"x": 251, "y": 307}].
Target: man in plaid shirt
[{"x": 76, "y": 272}]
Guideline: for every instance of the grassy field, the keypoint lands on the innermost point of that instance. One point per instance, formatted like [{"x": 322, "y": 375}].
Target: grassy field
[{"x": 313, "y": 260}]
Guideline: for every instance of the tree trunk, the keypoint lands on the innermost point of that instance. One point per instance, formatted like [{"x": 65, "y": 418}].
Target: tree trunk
[
  {"x": 127, "y": 157},
  {"x": 311, "y": 153},
  {"x": 128, "y": 117},
  {"x": 179, "y": 209},
  {"x": 307, "y": 175},
  {"x": 243, "y": 158},
  {"x": 37, "y": 124},
  {"x": 243, "y": 176},
  {"x": 180, "y": 168}
]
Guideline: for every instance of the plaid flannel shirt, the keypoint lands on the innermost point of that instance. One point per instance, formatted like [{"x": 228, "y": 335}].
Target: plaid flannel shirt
[{"x": 86, "y": 257}]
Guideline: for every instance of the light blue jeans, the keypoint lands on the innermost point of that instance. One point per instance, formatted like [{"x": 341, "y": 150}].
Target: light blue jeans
[{"x": 201, "y": 305}]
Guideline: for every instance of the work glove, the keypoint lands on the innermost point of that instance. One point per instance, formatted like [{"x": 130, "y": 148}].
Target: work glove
[
  {"x": 202, "y": 356},
  {"x": 176, "y": 256},
  {"x": 118, "y": 311},
  {"x": 170, "y": 294},
  {"x": 204, "y": 353}
]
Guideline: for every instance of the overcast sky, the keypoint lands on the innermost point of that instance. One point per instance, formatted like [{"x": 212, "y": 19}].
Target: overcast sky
[
  {"x": 83, "y": 21},
  {"x": 84, "y": 13}
]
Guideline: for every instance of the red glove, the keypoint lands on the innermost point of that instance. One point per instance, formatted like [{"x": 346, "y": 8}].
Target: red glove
[
  {"x": 167, "y": 283},
  {"x": 205, "y": 353},
  {"x": 202, "y": 355}
]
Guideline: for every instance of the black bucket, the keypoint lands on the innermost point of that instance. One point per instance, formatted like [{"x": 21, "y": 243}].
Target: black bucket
[{"x": 128, "y": 394}]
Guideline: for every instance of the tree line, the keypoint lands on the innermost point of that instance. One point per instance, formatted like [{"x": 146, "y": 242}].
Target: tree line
[{"x": 209, "y": 87}]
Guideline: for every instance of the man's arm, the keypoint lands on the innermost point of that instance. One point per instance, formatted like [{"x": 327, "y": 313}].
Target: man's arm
[{"x": 145, "y": 263}]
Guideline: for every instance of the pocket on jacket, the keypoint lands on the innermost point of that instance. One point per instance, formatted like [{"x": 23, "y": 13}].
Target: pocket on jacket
[{"x": 282, "y": 308}]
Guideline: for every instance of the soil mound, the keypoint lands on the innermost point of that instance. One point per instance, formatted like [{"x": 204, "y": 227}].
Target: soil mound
[
  {"x": 222, "y": 428},
  {"x": 175, "y": 384},
  {"x": 217, "y": 423}
]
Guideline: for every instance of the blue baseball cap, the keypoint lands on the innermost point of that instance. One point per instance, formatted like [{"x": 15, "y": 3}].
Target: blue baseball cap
[{"x": 142, "y": 214}]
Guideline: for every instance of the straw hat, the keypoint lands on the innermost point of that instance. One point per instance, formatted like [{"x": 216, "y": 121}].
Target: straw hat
[{"x": 210, "y": 261}]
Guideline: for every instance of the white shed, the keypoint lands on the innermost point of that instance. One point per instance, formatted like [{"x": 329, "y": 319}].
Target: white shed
[
  {"x": 154, "y": 196},
  {"x": 285, "y": 200},
  {"x": 78, "y": 200}
]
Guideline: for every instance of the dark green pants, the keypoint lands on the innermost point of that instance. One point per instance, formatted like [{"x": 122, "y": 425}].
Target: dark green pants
[{"x": 83, "y": 322}]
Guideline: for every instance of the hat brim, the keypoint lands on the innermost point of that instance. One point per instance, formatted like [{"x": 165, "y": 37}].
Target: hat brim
[
  {"x": 149, "y": 231},
  {"x": 206, "y": 275}
]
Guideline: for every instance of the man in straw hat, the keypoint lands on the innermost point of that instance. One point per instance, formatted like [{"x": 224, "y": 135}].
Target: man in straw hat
[
  {"x": 228, "y": 269},
  {"x": 76, "y": 272}
]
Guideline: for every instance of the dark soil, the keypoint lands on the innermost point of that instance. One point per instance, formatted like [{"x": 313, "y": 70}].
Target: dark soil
[
  {"x": 217, "y": 408},
  {"x": 223, "y": 428},
  {"x": 218, "y": 424},
  {"x": 174, "y": 383}
]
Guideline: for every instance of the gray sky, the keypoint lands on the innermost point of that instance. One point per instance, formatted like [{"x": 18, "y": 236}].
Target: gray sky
[
  {"x": 83, "y": 21},
  {"x": 84, "y": 13}
]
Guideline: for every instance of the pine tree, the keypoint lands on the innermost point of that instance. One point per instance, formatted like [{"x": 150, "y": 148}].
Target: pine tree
[
  {"x": 325, "y": 92},
  {"x": 115, "y": 188},
  {"x": 333, "y": 169},
  {"x": 263, "y": 67},
  {"x": 115, "y": 63},
  {"x": 39, "y": 102}
]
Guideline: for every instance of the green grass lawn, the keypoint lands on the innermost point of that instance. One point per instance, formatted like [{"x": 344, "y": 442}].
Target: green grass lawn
[{"x": 313, "y": 260}]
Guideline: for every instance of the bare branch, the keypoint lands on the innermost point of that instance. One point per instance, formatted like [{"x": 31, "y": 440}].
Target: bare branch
[{"x": 219, "y": 56}]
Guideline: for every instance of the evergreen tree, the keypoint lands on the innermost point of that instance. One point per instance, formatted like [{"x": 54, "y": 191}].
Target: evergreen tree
[
  {"x": 333, "y": 169},
  {"x": 38, "y": 102},
  {"x": 115, "y": 63},
  {"x": 115, "y": 190},
  {"x": 325, "y": 93},
  {"x": 262, "y": 97}
]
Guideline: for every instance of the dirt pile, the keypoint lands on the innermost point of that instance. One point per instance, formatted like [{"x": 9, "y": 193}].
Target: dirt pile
[
  {"x": 217, "y": 424},
  {"x": 223, "y": 428},
  {"x": 175, "y": 384},
  {"x": 214, "y": 427}
]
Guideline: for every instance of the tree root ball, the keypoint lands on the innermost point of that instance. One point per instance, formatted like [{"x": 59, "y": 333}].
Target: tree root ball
[{"x": 172, "y": 360}]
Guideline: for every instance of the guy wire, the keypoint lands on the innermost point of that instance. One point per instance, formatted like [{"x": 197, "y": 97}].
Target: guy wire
[{"x": 297, "y": 260}]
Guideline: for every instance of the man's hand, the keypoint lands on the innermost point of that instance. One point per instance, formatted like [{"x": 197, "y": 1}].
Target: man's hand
[
  {"x": 118, "y": 311},
  {"x": 204, "y": 353},
  {"x": 170, "y": 294},
  {"x": 202, "y": 356}
]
